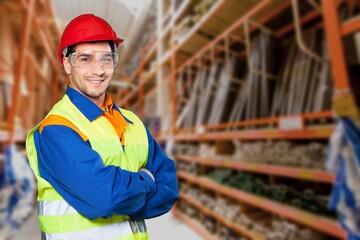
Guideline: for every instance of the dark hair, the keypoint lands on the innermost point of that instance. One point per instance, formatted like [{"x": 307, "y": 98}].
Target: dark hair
[{"x": 71, "y": 48}]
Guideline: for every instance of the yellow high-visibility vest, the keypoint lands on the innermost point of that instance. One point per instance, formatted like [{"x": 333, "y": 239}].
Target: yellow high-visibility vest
[{"x": 58, "y": 219}]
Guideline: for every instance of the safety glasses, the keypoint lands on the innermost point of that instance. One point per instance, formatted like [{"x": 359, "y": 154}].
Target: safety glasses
[{"x": 86, "y": 60}]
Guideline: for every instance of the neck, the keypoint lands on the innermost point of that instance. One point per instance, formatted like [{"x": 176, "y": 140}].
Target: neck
[{"x": 98, "y": 101}]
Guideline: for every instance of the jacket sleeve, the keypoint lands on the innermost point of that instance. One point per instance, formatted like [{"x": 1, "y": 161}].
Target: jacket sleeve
[
  {"x": 77, "y": 172},
  {"x": 166, "y": 194}
]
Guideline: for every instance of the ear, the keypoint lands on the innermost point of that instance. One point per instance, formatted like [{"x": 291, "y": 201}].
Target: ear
[{"x": 67, "y": 65}]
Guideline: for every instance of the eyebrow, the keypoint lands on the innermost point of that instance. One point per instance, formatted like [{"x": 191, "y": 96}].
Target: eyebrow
[
  {"x": 92, "y": 53},
  {"x": 85, "y": 54},
  {"x": 107, "y": 54}
]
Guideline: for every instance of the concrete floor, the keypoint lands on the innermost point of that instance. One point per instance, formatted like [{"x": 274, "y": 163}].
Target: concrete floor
[{"x": 162, "y": 228}]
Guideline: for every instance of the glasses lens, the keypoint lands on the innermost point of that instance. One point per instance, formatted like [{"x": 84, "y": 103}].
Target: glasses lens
[{"x": 86, "y": 60}]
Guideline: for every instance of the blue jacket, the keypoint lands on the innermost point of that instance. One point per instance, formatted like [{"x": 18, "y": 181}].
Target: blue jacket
[{"x": 58, "y": 146}]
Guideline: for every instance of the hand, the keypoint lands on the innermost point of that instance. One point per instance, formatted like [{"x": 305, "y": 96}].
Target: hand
[{"x": 148, "y": 172}]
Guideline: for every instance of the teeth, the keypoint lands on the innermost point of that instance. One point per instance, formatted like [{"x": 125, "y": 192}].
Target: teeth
[{"x": 95, "y": 81}]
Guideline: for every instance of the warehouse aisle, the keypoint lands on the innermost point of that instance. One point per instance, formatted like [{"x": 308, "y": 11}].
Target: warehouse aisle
[{"x": 159, "y": 229}]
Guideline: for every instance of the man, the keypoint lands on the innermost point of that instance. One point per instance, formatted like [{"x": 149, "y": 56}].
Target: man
[{"x": 99, "y": 170}]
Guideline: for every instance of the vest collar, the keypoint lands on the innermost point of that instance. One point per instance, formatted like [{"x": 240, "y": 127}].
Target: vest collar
[{"x": 90, "y": 110}]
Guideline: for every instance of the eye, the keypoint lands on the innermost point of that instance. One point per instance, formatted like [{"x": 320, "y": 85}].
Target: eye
[
  {"x": 107, "y": 59},
  {"x": 84, "y": 59}
]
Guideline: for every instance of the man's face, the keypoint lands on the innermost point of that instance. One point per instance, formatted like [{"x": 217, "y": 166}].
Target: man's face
[{"x": 92, "y": 82}]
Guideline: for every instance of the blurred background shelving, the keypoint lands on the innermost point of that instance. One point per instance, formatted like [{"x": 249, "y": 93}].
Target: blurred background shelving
[{"x": 243, "y": 95}]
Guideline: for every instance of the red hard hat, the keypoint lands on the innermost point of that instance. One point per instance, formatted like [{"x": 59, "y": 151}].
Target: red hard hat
[{"x": 86, "y": 28}]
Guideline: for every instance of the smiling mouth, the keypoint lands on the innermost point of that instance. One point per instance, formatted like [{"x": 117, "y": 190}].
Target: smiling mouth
[{"x": 96, "y": 81}]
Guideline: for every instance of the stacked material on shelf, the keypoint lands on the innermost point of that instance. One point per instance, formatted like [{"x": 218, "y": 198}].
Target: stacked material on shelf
[
  {"x": 305, "y": 199},
  {"x": 184, "y": 87},
  {"x": 281, "y": 229},
  {"x": 344, "y": 161},
  {"x": 189, "y": 210},
  {"x": 208, "y": 90},
  {"x": 187, "y": 167},
  {"x": 199, "y": 10},
  {"x": 180, "y": 148},
  {"x": 206, "y": 151},
  {"x": 186, "y": 149},
  {"x": 209, "y": 224},
  {"x": 196, "y": 90},
  {"x": 227, "y": 234},
  {"x": 183, "y": 28},
  {"x": 17, "y": 191},
  {"x": 309, "y": 155},
  {"x": 256, "y": 94},
  {"x": 204, "y": 6},
  {"x": 220, "y": 176},
  {"x": 193, "y": 104},
  {"x": 283, "y": 153},
  {"x": 226, "y": 91},
  {"x": 212, "y": 92},
  {"x": 227, "y": 209},
  {"x": 305, "y": 83}
]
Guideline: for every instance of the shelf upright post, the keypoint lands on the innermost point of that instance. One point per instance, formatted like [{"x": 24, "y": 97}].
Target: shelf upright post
[
  {"x": 20, "y": 66},
  {"x": 174, "y": 93},
  {"x": 140, "y": 86},
  {"x": 141, "y": 100},
  {"x": 159, "y": 54},
  {"x": 127, "y": 92},
  {"x": 344, "y": 103},
  {"x": 54, "y": 87},
  {"x": 57, "y": 70}
]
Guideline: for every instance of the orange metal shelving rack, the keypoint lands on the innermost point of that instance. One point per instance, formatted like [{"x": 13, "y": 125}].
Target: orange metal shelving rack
[
  {"x": 344, "y": 105},
  {"x": 33, "y": 13}
]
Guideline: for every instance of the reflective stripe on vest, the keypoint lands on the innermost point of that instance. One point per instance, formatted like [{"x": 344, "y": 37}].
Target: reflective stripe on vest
[
  {"x": 59, "y": 220},
  {"x": 117, "y": 231},
  {"x": 54, "y": 208}
]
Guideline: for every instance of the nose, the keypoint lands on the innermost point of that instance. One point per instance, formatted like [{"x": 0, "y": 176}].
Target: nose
[{"x": 97, "y": 68}]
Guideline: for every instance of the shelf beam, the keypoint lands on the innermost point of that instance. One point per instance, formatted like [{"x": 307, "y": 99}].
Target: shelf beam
[
  {"x": 291, "y": 172},
  {"x": 322, "y": 132},
  {"x": 274, "y": 121},
  {"x": 351, "y": 26}
]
